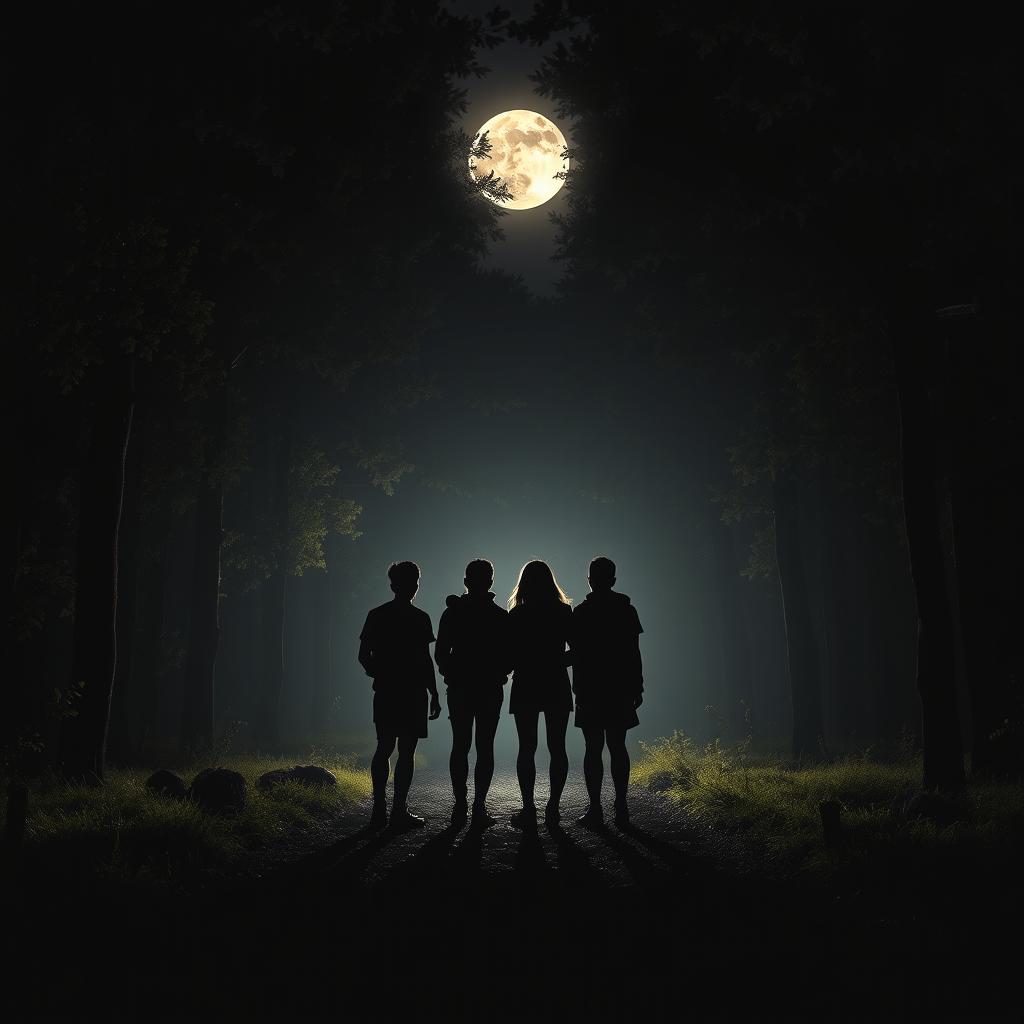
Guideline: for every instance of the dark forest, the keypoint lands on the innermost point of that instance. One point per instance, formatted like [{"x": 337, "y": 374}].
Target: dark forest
[{"x": 278, "y": 324}]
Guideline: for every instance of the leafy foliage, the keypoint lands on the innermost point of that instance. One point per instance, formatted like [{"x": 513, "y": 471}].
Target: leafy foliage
[
  {"x": 769, "y": 812},
  {"x": 121, "y": 832}
]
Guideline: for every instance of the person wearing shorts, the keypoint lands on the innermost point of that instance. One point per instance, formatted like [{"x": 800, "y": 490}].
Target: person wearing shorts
[
  {"x": 472, "y": 655},
  {"x": 608, "y": 684},
  {"x": 394, "y": 650}
]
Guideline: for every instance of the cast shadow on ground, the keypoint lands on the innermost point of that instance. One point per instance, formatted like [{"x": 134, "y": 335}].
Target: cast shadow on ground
[{"x": 354, "y": 852}]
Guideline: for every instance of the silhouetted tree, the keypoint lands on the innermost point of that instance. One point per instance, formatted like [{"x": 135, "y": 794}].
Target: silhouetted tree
[{"x": 814, "y": 172}]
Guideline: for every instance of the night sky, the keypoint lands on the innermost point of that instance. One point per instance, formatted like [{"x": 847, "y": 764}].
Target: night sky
[
  {"x": 266, "y": 335},
  {"x": 321, "y": 331}
]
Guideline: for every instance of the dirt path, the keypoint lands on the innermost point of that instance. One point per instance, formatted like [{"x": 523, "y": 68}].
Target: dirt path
[
  {"x": 615, "y": 859},
  {"x": 563, "y": 925}
]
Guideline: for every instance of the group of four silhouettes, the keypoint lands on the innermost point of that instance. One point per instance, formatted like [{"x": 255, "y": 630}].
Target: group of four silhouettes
[{"x": 479, "y": 644}]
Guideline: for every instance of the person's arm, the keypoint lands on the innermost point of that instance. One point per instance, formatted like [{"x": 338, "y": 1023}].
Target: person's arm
[
  {"x": 510, "y": 644},
  {"x": 638, "y": 672},
  {"x": 366, "y": 649},
  {"x": 443, "y": 647},
  {"x": 567, "y": 654},
  {"x": 366, "y": 656},
  {"x": 637, "y": 665},
  {"x": 431, "y": 676}
]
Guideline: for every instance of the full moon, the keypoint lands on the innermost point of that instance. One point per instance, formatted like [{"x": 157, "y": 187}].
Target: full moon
[{"x": 526, "y": 154}]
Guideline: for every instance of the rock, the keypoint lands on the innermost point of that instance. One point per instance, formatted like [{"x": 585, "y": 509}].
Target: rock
[
  {"x": 307, "y": 775},
  {"x": 219, "y": 790},
  {"x": 270, "y": 779},
  {"x": 314, "y": 775},
  {"x": 166, "y": 783},
  {"x": 660, "y": 782}
]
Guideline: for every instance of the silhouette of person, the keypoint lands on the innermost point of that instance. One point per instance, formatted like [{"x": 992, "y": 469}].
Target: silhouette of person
[
  {"x": 472, "y": 654},
  {"x": 539, "y": 620},
  {"x": 608, "y": 682},
  {"x": 394, "y": 649}
]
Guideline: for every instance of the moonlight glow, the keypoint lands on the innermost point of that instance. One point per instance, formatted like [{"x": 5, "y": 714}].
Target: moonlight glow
[{"x": 526, "y": 153}]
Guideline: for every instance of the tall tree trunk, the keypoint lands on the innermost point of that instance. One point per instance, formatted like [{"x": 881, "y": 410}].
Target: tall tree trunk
[
  {"x": 123, "y": 743},
  {"x": 846, "y": 612},
  {"x": 275, "y": 590},
  {"x": 323, "y": 598},
  {"x": 197, "y": 723},
  {"x": 801, "y": 645},
  {"x": 83, "y": 738},
  {"x": 991, "y": 616},
  {"x": 16, "y": 698},
  {"x": 922, "y": 493},
  {"x": 984, "y": 376},
  {"x": 148, "y": 661},
  {"x": 734, "y": 639}
]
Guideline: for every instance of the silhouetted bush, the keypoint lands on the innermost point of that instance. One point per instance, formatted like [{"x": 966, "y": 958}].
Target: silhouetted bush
[
  {"x": 165, "y": 783},
  {"x": 767, "y": 813},
  {"x": 120, "y": 831},
  {"x": 306, "y": 775}
]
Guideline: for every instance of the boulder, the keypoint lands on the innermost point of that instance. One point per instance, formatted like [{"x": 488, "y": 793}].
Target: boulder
[
  {"x": 219, "y": 790},
  {"x": 270, "y": 779},
  {"x": 166, "y": 783},
  {"x": 314, "y": 775},
  {"x": 306, "y": 774},
  {"x": 660, "y": 782}
]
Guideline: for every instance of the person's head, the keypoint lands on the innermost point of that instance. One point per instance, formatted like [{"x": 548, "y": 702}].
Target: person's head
[
  {"x": 405, "y": 579},
  {"x": 602, "y": 573},
  {"x": 537, "y": 586},
  {"x": 479, "y": 576}
]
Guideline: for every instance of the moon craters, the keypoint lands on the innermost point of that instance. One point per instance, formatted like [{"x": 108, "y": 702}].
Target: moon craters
[{"x": 526, "y": 154}]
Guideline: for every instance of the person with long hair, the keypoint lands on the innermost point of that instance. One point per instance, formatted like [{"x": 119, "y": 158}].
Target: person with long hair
[{"x": 539, "y": 618}]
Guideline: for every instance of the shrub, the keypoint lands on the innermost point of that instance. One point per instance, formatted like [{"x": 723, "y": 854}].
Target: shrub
[
  {"x": 120, "y": 830},
  {"x": 771, "y": 809}
]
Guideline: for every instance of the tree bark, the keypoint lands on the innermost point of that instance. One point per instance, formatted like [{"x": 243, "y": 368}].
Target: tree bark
[
  {"x": 320, "y": 704},
  {"x": 936, "y": 648},
  {"x": 801, "y": 645},
  {"x": 197, "y": 726},
  {"x": 149, "y": 654},
  {"x": 83, "y": 738},
  {"x": 16, "y": 698},
  {"x": 986, "y": 465},
  {"x": 734, "y": 639},
  {"x": 122, "y": 743},
  {"x": 275, "y": 591},
  {"x": 991, "y": 623}
]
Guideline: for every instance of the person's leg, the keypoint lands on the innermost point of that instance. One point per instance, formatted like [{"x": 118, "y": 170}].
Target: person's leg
[
  {"x": 593, "y": 764},
  {"x": 458, "y": 763},
  {"x": 403, "y": 770},
  {"x": 483, "y": 772},
  {"x": 380, "y": 769},
  {"x": 555, "y": 724},
  {"x": 526, "y": 767},
  {"x": 620, "y": 769}
]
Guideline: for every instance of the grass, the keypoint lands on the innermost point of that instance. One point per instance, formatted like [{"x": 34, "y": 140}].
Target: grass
[
  {"x": 769, "y": 812},
  {"x": 119, "y": 831}
]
